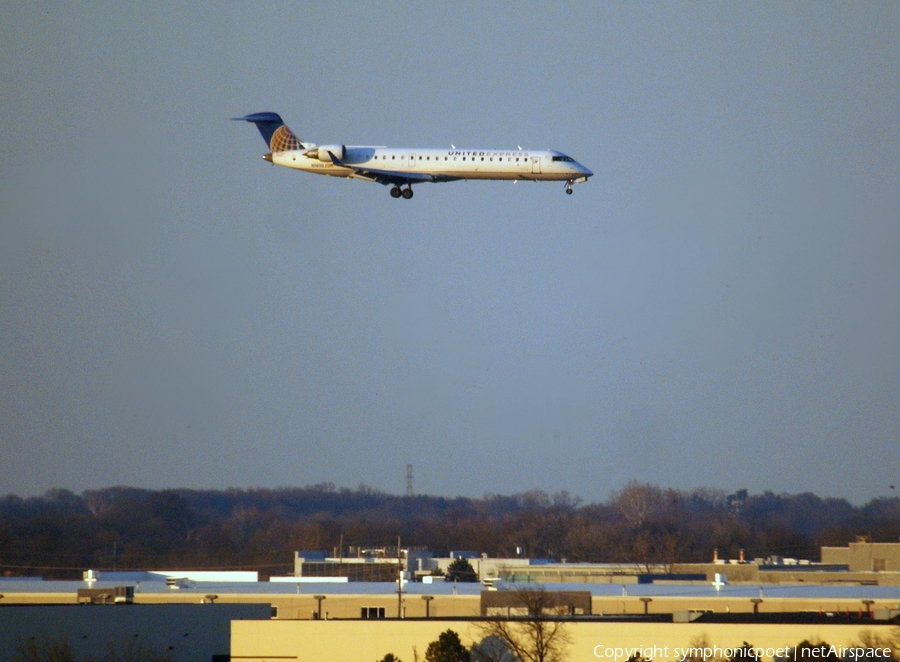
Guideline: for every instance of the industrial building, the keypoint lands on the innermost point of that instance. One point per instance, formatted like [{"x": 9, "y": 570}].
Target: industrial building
[
  {"x": 180, "y": 632},
  {"x": 874, "y": 557},
  {"x": 303, "y": 617},
  {"x": 305, "y": 600},
  {"x": 860, "y": 563},
  {"x": 607, "y": 641}
]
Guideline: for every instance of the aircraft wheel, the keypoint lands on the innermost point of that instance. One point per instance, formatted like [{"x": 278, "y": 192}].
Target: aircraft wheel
[
  {"x": 568, "y": 191},
  {"x": 407, "y": 193},
  {"x": 395, "y": 192}
]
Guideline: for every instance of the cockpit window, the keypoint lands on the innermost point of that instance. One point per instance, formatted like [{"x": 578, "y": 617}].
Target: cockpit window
[{"x": 567, "y": 159}]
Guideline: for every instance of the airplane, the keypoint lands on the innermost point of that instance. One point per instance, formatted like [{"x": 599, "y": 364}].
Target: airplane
[{"x": 401, "y": 168}]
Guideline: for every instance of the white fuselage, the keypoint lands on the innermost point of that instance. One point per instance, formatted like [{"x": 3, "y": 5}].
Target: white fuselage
[{"x": 513, "y": 164}]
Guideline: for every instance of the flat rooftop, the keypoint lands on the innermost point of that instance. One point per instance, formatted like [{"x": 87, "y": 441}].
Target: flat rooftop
[{"x": 12, "y": 586}]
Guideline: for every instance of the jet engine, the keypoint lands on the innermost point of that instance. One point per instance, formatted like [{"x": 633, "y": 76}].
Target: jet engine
[{"x": 321, "y": 152}]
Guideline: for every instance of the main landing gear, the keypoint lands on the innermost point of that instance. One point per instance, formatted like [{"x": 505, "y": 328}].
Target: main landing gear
[{"x": 407, "y": 192}]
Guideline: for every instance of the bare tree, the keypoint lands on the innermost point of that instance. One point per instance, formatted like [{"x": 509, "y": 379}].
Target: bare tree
[
  {"x": 637, "y": 502},
  {"x": 491, "y": 649},
  {"x": 868, "y": 639},
  {"x": 538, "y": 634}
]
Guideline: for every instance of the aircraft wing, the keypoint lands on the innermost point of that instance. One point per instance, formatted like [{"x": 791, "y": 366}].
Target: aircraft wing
[{"x": 391, "y": 177}]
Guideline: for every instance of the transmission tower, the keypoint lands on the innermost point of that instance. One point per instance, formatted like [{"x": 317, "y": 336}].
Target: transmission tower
[{"x": 409, "y": 487}]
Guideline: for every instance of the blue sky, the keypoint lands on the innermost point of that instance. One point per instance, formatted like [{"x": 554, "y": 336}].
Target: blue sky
[{"x": 717, "y": 307}]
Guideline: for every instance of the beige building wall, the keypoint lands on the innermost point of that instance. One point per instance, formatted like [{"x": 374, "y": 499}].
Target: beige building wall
[
  {"x": 606, "y": 605},
  {"x": 367, "y": 641},
  {"x": 835, "y": 555},
  {"x": 865, "y": 556},
  {"x": 874, "y": 556},
  {"x": 340, "y": 606}
]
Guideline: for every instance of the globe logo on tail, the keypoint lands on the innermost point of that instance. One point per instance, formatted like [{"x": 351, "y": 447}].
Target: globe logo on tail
[{"x": 283, "y": 140}]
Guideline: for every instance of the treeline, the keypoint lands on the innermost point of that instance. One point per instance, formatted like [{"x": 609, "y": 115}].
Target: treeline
[{"x": 61, "y": 533}]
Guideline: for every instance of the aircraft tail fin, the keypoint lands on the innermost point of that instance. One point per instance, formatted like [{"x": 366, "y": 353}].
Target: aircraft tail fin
[{"x": 274, "y": 131}]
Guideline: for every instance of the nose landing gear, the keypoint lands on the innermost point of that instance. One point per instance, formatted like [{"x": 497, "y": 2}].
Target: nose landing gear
[{"x": 569, "y": 186}]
